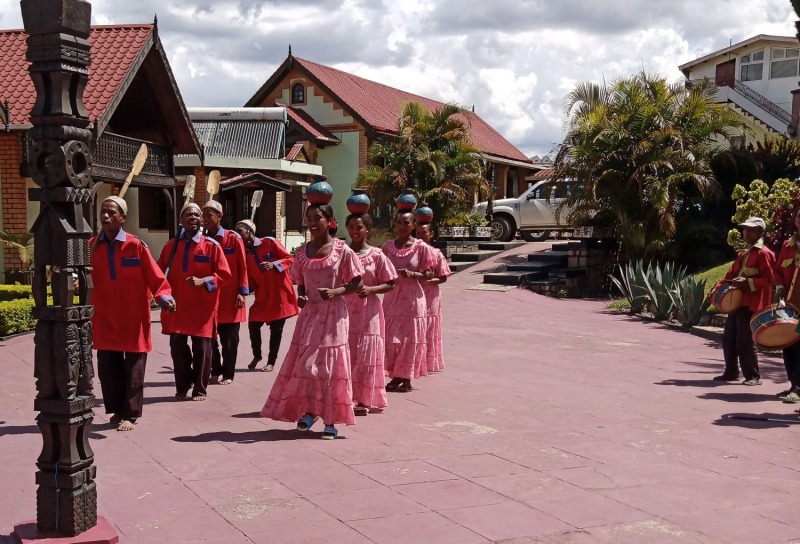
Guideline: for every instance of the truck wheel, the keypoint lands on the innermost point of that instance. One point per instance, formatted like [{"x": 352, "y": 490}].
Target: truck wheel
[
  {"x": 502, "y": 229},
  {"x": 535, "y": 235}
]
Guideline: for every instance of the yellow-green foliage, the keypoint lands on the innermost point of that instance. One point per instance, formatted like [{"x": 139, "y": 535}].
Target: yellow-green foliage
[
  {"x": 16, "y": 316},
  {"x": 14, "y": 292},
  {"x": 759, "y": 201},
  {"x": 712, "y": 277}
]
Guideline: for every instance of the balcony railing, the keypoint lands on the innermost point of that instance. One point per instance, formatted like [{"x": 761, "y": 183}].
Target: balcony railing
[{"x": 114, "y": 154}]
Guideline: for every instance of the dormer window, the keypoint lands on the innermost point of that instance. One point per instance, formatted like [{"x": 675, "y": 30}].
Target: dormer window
[
  {"x": 751, "y": 67},
  {"x": 784, "y": 62},
  {"x": 298, "y": 94}
]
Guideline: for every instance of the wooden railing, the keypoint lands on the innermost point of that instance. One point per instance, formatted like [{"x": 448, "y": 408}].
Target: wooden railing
[{"x": 113, "y": 157}]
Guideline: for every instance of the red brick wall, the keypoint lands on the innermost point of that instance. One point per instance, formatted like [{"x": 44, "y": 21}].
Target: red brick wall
[{"x": 14, "y": 201}]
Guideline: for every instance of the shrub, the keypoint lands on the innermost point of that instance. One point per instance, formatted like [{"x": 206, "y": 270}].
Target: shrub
[
  {"x": 631, "y": 284},
  {"x": 14, "y": 292},
  {"x": 658, "y": 286},
  {"x": 690, "y": 300},
  {"x": 16, "y": 316}
]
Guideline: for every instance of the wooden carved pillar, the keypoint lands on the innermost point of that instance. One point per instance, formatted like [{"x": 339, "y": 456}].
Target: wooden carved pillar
[{"x": 60, "y": 163}]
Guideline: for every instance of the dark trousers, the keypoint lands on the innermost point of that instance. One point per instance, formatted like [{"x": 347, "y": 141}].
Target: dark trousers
[
  {"x": 275, "y": 335},
  {"x": 122, "y": 382},
  {"x": 225, "y": 363},
  {"x": 191, "y": 366},
  {"x": 791, "y": 361},
  {"x": 738, "y": 346}
]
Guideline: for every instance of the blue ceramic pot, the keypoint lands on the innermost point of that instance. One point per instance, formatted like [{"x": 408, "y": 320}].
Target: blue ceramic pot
[
  {"x": 358, "y": 202},
  {"x": 424, "y": 214},
  {"x": 406, "y": 201},
  {"x": 319, "y": 192}
]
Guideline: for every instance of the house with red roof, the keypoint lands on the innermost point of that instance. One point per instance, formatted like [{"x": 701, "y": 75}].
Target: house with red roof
[
  {"x": 131, "y": 98},
  {"x": 357, "y": 112}
]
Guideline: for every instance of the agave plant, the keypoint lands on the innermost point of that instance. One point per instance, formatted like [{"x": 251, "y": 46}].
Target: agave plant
[
  {"x": 631, "y": 283},
  {"x": 658, "y": 286},
  {"x": 690, "y": 300}
]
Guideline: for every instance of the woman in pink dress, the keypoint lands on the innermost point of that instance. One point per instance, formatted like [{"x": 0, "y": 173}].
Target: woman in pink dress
[
  {"x": 367, "y": 327},
  {"x": 433, "y": 300},
  {"x": 314, "y": 380},
  {"x": 404, "y": 306}
]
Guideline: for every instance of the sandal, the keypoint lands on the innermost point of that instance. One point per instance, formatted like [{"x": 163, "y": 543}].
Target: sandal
[
  {"x": 792, "y": 398},
  {"x": 330, "y": 433},
  {"x": 393, "y": 384},
  {"x": 361, "y": 410},
  {"x": 785, "y": 393},
  {"x": 254, "y": 363},
  {"x": 306, "y": 422},
  {"x": 404, "y": 387},
  {"x": 751, "y": 381}
]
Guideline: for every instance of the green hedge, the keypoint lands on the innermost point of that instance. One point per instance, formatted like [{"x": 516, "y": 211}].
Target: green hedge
[
  {"x": 16, "y": 316},
  {"x": 14, "y": 292}
]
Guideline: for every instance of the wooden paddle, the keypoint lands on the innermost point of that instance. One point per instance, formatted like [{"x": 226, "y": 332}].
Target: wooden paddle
[
  {"x": 188, "y": 195},
  {"x": 138, "y": 164},
  {"x": 255, "y": 202},
  {"x": 212, "y": 184}
]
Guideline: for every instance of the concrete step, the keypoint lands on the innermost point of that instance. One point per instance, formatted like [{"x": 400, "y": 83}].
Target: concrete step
[
  {"x": 564, "y": 273},
  {"x": 546, "y": 286},
  {"x": 472, "y": 256},
  {"x": 508, "y": 278},
  {"x": 557, "y": 257},
  {"x": 531, "y": 267},
  {"x": 458, "y": 267},
  {"x": 500, "y": 246}
]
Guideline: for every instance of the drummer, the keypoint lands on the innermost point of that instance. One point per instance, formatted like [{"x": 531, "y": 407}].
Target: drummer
[
  {"x": 752, "y": 273},
  {"x": 785, "y": 267}
]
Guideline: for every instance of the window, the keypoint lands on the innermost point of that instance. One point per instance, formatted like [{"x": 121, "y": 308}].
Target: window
[
  {"x": 294, "y": 210},
  {"x": 752, "y": 66},
  {"x": 298, "y": 94},
  {"x": 784, "y": 62},
  {"x": 154, "y": 210}
]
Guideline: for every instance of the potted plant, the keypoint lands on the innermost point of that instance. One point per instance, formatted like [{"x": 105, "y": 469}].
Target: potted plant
[
  {"x": 455, "y": 226},
  {"x": 479, "y": 228},
  {"x": 23, "y": 243}
]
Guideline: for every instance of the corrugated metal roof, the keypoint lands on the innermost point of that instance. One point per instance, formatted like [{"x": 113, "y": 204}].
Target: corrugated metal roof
[{"x": 256, "y": 139}]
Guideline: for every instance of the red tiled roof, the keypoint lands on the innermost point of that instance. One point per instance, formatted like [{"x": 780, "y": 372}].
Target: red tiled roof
[
  {"x": 543, "y": 174},
  {"x": 296, "y": 150},
  {"x": 114, "y": 49},
  {"x": 305, "y": 121},
  {"x": 380, "y": 105}
]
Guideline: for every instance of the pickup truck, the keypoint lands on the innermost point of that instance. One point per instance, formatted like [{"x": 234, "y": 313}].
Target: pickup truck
[{"x": 532, "y": 213}]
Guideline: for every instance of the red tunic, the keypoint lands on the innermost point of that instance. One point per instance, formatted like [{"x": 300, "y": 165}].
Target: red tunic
[
  {"x": 197, "y": 306},
  {"x": 124, "y": 275},
  {"x": 756, "y": 264},
  {"x": 786, "y": 263},
  {"x": 275, "y": 295},
  {"x": 233, "y": 248}
]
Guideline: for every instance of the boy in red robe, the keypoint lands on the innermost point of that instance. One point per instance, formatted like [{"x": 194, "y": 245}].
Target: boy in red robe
[
  {"x": 231, "y": 311},
  {"x": 124, "y": 276},
  {"x": 196, "y": 271},
  {"x": 268, "y": 265}
]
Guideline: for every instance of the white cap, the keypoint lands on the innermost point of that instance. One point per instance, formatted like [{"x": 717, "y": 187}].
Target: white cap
[
  {"x": 119, "y": 201},
  {"x": 754, "y": 222}
]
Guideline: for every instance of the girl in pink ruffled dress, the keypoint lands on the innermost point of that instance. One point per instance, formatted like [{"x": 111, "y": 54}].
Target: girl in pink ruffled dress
[
  {"x": 404, "y": 306},
  {"x": 367, "y": 326},
  {"x": 433, "y": 300},
  {"x": 314, "y": 381}
]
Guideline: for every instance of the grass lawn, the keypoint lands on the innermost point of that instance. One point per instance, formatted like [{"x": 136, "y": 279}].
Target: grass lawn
[{"x": 713, "y": 275}]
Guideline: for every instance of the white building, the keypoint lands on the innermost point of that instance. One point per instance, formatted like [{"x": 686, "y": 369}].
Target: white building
[{"x": 758, "y": 78}]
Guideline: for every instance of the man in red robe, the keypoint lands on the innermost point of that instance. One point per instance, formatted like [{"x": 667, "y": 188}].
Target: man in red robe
[
  {"x": 231, "y": 311},
  {"x": 124, "y": 276},
  {"x": 268, "y": 265},
  {"x": 196, "y": 270}
]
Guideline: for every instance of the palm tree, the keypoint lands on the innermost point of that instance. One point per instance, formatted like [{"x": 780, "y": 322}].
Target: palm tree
[
  {"x": 637, "y": 153},
  {"x": 431, "y": 155}
]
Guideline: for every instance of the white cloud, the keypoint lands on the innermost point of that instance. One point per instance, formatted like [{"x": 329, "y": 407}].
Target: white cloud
[{"x": 514, "y": 60}]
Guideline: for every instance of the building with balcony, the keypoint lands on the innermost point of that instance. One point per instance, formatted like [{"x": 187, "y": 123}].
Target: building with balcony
[
  {"x": 132, "y": 99},
  {"x": 758, "y": 78}
]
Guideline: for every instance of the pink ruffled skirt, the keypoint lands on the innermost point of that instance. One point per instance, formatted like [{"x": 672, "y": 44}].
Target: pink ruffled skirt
[
  {"x": 433, "y": 353},
  {"x": 367, "y": 352},
  {"x": 405, "y": 347}
]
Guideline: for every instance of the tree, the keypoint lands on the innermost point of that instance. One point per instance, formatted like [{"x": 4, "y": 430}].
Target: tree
[
  {"x": 431, "y": 155},
  {"x": 637, "y": 154},
  {"x": 776, "y": 204}
]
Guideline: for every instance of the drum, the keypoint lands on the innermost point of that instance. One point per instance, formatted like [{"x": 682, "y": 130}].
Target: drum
[
  {"x": 725, "y": 298},
  {"x": 774, "y": 328}
]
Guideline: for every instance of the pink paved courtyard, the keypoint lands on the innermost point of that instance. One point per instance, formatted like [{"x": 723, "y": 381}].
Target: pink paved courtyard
[{"x": 555, "y": 421}]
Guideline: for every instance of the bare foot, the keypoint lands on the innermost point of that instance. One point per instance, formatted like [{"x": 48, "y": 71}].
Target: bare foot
[
  {"x": 268, "y": 368},
  {"x": 199, "y": 398},
  {"x": 226, "y": 381},
  {"x": 126, "y": 425}
]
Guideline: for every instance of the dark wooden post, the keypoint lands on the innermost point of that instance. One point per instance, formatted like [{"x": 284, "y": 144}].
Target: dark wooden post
[{"x": 60, "y": 163}]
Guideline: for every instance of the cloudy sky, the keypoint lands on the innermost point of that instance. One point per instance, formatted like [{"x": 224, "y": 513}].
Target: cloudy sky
[{"x": 514, "y": 60}]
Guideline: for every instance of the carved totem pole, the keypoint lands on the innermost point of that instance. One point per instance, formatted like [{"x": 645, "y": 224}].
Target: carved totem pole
[{"x": 61, "y": 165}]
